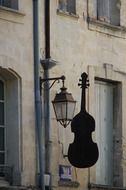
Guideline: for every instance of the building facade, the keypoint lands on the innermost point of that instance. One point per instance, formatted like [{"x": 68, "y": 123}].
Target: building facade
[
  {"x": 17, "y": 92},
  {"x": 83, "y": 36}
]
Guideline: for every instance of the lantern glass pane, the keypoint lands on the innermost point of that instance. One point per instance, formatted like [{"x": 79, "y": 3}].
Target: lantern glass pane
[
  {"x": 60, "y": 110},
  {"x": 70, "y": 110}
]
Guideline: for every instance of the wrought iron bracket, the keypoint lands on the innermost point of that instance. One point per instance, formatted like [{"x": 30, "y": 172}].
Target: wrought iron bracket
[{"x": 54, "y": 79}]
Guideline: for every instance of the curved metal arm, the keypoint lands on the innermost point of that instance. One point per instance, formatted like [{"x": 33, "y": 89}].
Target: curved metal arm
[{"x": 54, "y": 79}]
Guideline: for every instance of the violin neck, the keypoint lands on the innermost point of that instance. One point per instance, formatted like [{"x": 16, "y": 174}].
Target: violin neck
[{"x": 83, "y": 100}]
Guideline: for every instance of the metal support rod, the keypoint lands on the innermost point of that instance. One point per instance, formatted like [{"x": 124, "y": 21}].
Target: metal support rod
[
  {"x": 55, "y": 78},
  {"x": 48, "y": 144}
]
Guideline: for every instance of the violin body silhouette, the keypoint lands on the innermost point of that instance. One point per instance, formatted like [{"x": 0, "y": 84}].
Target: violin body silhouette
[{"x": 83, "y": 152}]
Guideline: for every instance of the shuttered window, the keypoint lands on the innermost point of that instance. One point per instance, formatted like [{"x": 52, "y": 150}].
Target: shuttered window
[
  {"x": 103, "y": 10},
  {"x": 68, "y": 6},
  {"x": 13, "y": 4},
  {"x": 109, "y": 11}
]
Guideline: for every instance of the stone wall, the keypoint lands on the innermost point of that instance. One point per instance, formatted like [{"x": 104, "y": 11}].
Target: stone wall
[{"x": 80, "y": 42}]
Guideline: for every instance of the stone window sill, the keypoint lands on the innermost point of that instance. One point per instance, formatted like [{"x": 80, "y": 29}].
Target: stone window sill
[
  {"x": 68, "y": 183},
  {"x": 106, "y": 28},
  {"x": 104, "y": 187},
  {"x": 68, "y": 14},
  {"x": 11, "y": 15},
  {"x": 13, "y": 11}
]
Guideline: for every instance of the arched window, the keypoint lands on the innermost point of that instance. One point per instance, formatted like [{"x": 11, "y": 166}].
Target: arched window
[{"x": 10, "y": 149}]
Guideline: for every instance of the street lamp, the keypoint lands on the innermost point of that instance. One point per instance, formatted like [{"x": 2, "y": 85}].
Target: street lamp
[
  {"x": 63, "y": 103},
  {"x": 64, "y": 106}
]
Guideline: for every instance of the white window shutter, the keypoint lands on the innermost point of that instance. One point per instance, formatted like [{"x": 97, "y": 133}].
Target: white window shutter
[
  {"x": 71, "y": 6},
  {"x": 103, "y": 10},
  {"x": 63, "y": 5},
  {"x": 14, "y": 4},
  {"x": 92, "y": 8},
  {"x": 104, "y": 132},
  {"x": 115, "y": 12},
  {"x": 7, "y": 3}
]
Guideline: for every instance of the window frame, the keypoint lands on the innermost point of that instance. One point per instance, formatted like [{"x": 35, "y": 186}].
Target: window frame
[
  {"x": 110, "y": 74},
  {"x": 116, "y": 134}
]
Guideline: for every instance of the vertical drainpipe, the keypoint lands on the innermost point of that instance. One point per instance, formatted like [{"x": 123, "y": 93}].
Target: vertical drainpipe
[
  {"x": 38, "y": 103},
  {"x": 47, "y": 92}
]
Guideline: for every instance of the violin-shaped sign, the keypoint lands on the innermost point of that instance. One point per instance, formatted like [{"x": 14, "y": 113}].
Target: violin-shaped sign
[{"x": 83, "y": 152}]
